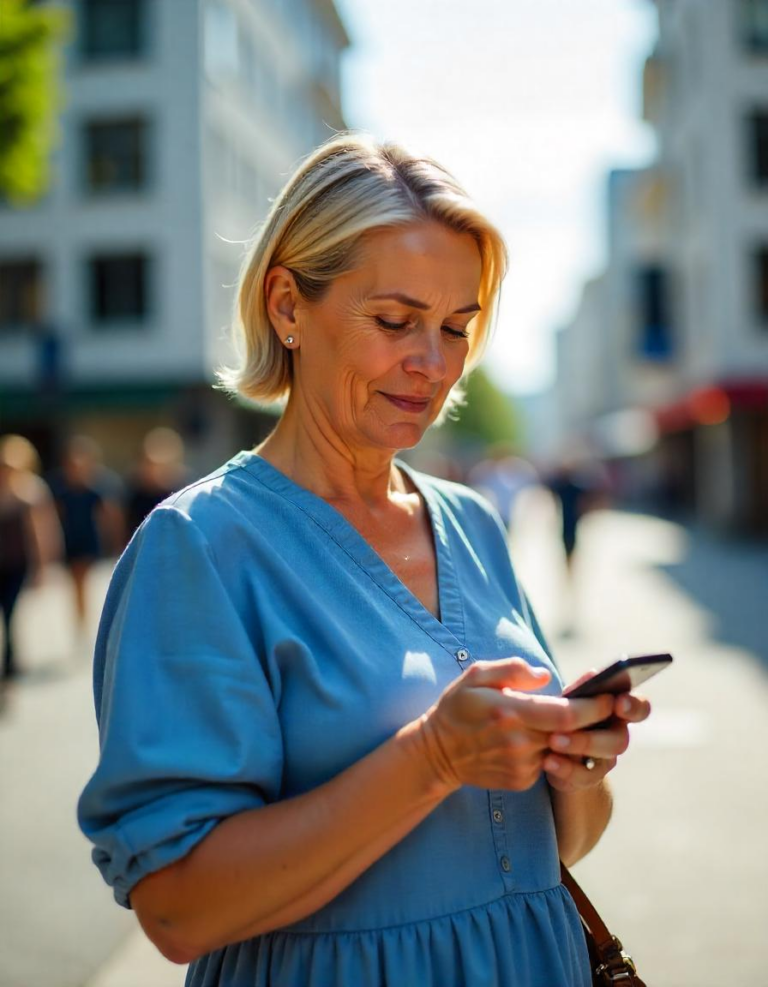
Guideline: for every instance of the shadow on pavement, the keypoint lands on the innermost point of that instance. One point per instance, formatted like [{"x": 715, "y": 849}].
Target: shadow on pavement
[
  {"x": 48, "y": 673},
  {"x": 728, "y": 577}
]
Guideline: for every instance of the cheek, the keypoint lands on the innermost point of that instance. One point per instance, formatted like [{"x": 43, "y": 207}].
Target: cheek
[
  {"x": 455, "y": 360},
  {"x": 372, "y": 356}
]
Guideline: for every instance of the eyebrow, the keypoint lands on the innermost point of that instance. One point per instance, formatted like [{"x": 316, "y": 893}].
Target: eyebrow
[{"x": 397, "y": 296}]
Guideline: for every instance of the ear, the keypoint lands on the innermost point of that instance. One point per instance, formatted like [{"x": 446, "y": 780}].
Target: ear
[{"x": 281, "y": 296}]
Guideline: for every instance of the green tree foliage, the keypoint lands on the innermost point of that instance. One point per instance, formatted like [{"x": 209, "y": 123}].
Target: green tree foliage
[
  {"x": 30, "y": 37},
  {"x": 488, "y": 416}
]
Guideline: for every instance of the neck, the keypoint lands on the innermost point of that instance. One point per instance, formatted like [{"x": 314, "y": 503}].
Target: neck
[{"x": 316, "y": 457}]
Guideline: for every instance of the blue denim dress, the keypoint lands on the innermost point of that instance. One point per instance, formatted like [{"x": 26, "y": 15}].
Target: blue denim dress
[{"x": 252, "y": 646}]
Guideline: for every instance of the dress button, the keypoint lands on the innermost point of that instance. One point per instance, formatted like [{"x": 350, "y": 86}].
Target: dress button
[
  {"x": 462, "y": 654},
  {"x": 498, "y": 815},
  {"x": 505, "y": 864}
]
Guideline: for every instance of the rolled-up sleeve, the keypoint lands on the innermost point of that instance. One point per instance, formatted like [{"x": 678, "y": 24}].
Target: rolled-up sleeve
[{"x": 189, "y": 732}]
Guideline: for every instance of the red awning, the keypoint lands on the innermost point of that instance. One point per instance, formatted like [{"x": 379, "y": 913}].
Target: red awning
[{"x": 713, "y": 404}]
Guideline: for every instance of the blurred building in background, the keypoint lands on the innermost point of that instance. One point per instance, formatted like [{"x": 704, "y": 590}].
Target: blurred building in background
[
  {"x": 665, "y": 366},
  {"x": 116, "y": 290}
]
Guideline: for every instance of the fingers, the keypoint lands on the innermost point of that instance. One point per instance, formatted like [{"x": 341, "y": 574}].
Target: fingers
[
  {"x": 601, "y": 744},
  {"x": 568, "y": 774},
  {"x": 632, "y": 709},
  {"x": 564, "y": 765},
  {"x": 488, "y": 730},
  {"x": 542, "y": 713},
  {"x": 511, "y": 673},
  {"x": 553, "y": 714}
]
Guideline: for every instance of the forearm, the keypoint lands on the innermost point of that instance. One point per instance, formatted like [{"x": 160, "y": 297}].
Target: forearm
[
  {"x": 263, "y": 869},
  {"x": 46, "y": 534},
  {"x": 580, "y": 820}
]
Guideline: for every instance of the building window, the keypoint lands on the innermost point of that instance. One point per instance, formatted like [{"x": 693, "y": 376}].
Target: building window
[
  {"x": 118, "y": 287},
  {"x": 754, "y": 25},
  {"x": 112, "y": 28},
  {"x": 653, "y": 310},
  {"x": 761, "y": 285},
  {"x": 757, "y": 135},
  {"x": 116, "y": 155},
  {"x": 21, "y": 294}
]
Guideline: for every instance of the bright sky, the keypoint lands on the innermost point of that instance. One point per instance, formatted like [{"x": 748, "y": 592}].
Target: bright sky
[{"x": 529, "y": 103}]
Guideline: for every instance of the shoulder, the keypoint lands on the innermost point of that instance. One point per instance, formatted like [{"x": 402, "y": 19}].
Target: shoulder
[
  {"x": 214, "y": 498},
  {"x": 220, "y": 510}
]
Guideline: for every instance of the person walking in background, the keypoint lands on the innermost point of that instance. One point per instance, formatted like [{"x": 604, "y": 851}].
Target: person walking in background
[
  {"x": 159, "y": 472},
  {"x": 89, "y": 514},
  {"x": 334, "y": 748},
  {"x": 500, "y": 477},
  {"x": 30, "y": 535},
  {"x": 577, "y": 489}
]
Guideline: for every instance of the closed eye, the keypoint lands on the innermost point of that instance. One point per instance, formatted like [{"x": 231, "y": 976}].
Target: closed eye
[
  {"x": 390, "y": 325},
  {"x": 451, "y": 331},
  {"x": 456, "y": 333}
]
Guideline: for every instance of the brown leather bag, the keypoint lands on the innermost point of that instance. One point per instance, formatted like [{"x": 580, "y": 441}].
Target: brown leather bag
[{"x": 611, "y": 966}]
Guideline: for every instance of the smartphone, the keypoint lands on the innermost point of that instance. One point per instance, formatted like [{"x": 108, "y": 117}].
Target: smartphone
[{"x": 622, "y": 676}]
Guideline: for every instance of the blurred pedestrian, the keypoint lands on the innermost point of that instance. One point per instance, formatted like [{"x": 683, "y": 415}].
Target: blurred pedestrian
[
  {"x": 30, "y": 536},
  {"x": 89, "y": 516},
  {"x": 577, "y": 488},
  {"x": 501, "y": 477},
  {"x": 159, "y": 472}
]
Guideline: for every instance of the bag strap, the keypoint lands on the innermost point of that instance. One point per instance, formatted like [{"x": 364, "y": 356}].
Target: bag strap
[
  {"x": 586, "y": 909},
  {"x": 613, "y": 964}
]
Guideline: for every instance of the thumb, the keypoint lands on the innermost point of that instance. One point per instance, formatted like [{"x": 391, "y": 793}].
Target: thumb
[{"x": 508, "y": 673}]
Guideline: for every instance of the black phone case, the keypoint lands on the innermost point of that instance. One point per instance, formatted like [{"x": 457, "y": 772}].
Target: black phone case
[{"x": 623, "y": 675}]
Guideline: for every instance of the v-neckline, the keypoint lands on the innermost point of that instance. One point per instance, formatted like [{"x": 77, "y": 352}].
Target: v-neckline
[{"x": 448, "y": 629}]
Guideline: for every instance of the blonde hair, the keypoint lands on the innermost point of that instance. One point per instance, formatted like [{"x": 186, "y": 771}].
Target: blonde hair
[
  {"x": 18, "y": 453},
  {"x": 348, "y": 187}
]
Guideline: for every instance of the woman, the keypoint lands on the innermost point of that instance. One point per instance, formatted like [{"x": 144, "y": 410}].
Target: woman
[
  {"x": 90, "y": 518},
  {"x": 30, "y": 537},
  {"x": 159, "y": 472},
  {"x": 334, "y": 750}
]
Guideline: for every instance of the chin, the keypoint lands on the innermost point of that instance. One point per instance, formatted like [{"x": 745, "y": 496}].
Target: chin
[{"x": 400, "y": 436}]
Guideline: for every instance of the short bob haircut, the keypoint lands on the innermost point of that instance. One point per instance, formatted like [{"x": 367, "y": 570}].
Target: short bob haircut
[{"x": 347, "y": 188}]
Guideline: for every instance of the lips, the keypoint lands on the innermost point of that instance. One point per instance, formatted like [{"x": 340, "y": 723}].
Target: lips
[{"x": 406, "y": 402}]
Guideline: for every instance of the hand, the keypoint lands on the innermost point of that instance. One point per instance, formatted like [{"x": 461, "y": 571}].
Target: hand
[
  {"x": 486, "y": 731},
  {"x": 565, "y": 766}
]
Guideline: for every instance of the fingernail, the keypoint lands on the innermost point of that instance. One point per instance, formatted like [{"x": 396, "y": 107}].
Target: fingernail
[
  {"x": 551, "y": 764},
  {"x": 624, "y": 705},
  {"x": 561, "y": 741}
]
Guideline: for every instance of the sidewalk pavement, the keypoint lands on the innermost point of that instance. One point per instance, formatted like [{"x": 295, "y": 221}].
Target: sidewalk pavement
[
  {"x": 58, "y": 921},
  {"x": 691, "y": 796}
]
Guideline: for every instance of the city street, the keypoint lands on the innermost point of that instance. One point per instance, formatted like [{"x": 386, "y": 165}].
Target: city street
[{"x": 681, "y": 876}]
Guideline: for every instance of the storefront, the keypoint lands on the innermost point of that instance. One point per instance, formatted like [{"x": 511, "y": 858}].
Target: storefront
[{"x": 712, "y": 454}]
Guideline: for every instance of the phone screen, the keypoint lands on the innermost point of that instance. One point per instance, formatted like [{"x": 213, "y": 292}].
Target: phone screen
[{"x": 623, "y": 675}]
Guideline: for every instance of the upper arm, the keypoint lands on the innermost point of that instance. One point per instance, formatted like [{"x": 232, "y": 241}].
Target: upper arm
[{"x": 189, "y": 732}]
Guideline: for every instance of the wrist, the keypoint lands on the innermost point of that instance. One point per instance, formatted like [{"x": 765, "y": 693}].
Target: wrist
[{"x": 421, "y": 744}]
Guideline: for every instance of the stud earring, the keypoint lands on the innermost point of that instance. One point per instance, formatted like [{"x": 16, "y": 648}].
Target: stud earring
[{"x": 289, "y": 340}]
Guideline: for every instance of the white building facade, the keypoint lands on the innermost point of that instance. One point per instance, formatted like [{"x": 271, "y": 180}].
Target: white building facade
[
  {"x": 684, "y": 311},
  {"x": 180, "y": 120}
]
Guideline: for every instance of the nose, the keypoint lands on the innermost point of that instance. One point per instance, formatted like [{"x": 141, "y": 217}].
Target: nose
[{"x": 427, "y": 356}]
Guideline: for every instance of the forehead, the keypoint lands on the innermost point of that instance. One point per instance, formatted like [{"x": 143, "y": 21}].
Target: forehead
[{"x": 424, "y": 255}]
